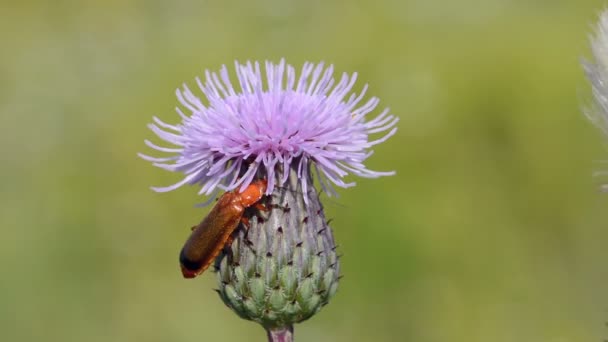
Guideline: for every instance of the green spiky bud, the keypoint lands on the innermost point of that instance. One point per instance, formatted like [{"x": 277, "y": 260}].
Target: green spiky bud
[{"x": 284, "y": 267}]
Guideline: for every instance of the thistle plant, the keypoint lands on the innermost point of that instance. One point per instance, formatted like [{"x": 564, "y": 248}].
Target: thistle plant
[
  {"x": 282, "y": 267},
  {"x": 597, "y": 73}
]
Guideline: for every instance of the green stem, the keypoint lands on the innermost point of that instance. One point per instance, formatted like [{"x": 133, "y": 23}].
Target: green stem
[{"x": 284, "y": 334}]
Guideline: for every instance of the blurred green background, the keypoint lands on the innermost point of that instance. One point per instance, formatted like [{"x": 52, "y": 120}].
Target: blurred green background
[{"x": 493, "y": 228}]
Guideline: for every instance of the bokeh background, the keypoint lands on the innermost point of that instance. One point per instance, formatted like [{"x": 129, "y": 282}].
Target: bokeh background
[{"x": 493, "y": 228}]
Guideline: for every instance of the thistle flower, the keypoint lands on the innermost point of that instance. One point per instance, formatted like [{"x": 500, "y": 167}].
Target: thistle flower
[
  {"x": 282, "y": 266},
  {"x": 597, "y": 73},
  {"x": 308, "y": 121}
]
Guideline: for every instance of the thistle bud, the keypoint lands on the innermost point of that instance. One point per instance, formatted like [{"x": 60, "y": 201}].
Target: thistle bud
[{"x": 284, "y": 267}]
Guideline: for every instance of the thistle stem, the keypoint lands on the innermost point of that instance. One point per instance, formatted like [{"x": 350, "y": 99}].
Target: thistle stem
[{"x": 284, "y": 334}]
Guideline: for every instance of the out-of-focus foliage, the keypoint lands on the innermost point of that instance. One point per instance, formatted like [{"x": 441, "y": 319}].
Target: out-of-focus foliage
[{"x": 492, "y": 230}]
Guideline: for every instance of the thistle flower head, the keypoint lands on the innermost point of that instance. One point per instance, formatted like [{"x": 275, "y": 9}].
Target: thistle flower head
[
  {"x": 597, "y": 73},
  {"x": 268, "y": 123},
  {"x": 282, "y": 266}
]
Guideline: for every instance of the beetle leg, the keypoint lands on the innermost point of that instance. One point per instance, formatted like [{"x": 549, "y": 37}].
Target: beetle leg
[
  {"x": 284, "y": 208},
  {"x": 245, "y": 222},
  {"x": 229, "y": 241},
  {"x": 261, "y": 207}
]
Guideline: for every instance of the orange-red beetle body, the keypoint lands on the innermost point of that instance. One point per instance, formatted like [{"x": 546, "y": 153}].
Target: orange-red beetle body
[{"x": 214, "y": 232}]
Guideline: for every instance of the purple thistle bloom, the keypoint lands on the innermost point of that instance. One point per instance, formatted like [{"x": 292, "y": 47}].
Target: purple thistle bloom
[
  {"x": 262, "y": 129},
  {"x": 597, "y": 73}
]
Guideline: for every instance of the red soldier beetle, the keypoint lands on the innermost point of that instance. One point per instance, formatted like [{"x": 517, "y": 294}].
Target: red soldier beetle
[{"x": 215, "y": 231}]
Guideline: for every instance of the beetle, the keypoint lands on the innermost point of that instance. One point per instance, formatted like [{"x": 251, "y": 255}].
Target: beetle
[{"x": 215, "y": 231}]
